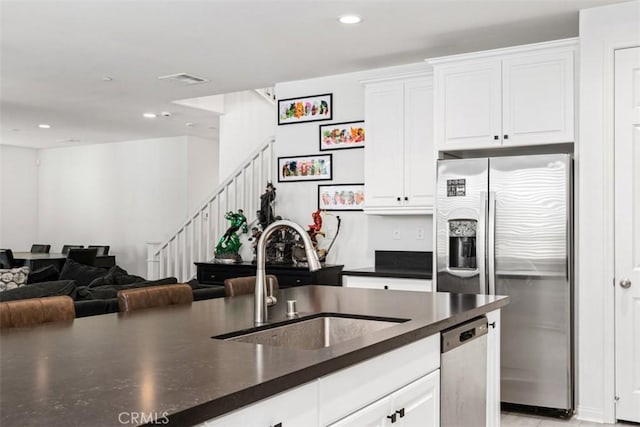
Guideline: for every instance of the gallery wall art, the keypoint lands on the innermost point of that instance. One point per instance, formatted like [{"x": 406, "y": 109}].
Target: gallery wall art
[{"x": 305, "y": 109}]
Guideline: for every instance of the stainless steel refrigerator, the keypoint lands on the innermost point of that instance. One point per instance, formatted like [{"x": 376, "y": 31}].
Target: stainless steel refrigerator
[{"x": 504, "y": 227}]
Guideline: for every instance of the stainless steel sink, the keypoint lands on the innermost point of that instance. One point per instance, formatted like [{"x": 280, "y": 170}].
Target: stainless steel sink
[{"x": 314, "y": 333}]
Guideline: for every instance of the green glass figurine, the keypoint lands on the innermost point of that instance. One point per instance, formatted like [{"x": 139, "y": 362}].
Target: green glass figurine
[{"x": 229, "y": 245}]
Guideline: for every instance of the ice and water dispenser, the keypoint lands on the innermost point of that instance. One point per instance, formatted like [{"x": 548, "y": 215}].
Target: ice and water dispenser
[{"x": 462, "y": 244}]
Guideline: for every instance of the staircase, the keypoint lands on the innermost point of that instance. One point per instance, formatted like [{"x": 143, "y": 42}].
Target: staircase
[
  {"x": 268, "y": 93},
  {"x": 196, "y": 239}
]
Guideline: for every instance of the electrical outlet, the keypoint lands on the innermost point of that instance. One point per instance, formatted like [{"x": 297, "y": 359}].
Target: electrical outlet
[
  {"x": 420, "y": 233},
  {"x": 396, "y": 234}
]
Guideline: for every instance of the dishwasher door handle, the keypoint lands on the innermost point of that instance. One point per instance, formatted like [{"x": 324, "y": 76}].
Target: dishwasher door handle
[{"x": 467, "y": 335}]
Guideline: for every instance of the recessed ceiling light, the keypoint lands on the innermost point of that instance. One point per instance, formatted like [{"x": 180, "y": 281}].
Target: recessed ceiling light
[
  {"x": 165, "y": 114},
  {"x": 150, "y": 115},
  {"x": 107, "y": 79},
  {"x": 189, "y": 124},
  {"x": 15, "y": 130},
  {"x": 44, "y": 126},
  {"x": 350, "y": 19}
]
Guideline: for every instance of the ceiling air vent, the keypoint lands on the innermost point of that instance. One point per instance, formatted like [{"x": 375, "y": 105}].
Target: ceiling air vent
[{"x": 184, "y": 79}]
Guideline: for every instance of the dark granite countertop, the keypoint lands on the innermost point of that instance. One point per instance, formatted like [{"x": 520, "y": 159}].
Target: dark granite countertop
[
  {"x": 404, "y": 273},
  {"x": 163, "y": 360}
]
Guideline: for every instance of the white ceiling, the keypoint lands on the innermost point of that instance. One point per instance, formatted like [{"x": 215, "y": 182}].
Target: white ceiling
[{"x": 54, "y": 54}]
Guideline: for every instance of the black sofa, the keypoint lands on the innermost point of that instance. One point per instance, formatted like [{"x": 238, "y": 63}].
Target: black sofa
[{"x": 94, "y": 290}]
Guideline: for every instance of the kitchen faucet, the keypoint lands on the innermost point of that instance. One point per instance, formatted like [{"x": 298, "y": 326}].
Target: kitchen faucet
[{"x": 260, "y": 292}]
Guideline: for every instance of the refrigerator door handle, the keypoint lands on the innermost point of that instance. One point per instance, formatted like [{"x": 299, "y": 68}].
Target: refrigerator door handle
[
  {"x": 491, "y": 243},
  {"x": 481, "y": 245}
]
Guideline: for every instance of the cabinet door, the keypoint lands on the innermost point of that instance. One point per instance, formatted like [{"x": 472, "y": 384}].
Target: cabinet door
[
  {"x": 419, "y": 155},
  {"x": 297, "y": 407},
  {"x": 493, "y": 369},
  {"x": 384, "y": 158},
  {"x": 418, "y": 404},
  {"x": 468, "y": 105},
  {"x": 374, "y": 415},
  {"x": 538, "y": 99}
]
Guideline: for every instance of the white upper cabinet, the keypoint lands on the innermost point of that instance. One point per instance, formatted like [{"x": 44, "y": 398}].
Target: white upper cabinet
[
  {"x": 399, "y": 155},
  {"x": 507, "y": 97},
  {"x": 468, "y": 104},
  {"x": 384, "y": 154},
  {"x": 537, "y": 99},
  {"x": 419, "y": 164}
]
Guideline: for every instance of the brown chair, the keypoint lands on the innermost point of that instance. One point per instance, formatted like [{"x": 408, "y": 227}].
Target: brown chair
[
  {"x": 30, "y": 312},
  {"x": 246, "y": 285},
  {"x": 154, "y": 296}
]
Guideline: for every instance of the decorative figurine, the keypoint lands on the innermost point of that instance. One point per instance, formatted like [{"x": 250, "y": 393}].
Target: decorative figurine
[
  {"x": 315, "y": 230},
  {"x": 229, "y": 245},
  {"x": 279, "y": 245},
  {"x": 267, "y": 200}
]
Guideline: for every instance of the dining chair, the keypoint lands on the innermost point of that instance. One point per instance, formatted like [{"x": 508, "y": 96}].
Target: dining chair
[
  {"x": 247, "y": 284},
  {"x": 65, "y": 248},
  {"x": 40, "y": 249},
  {"x": 6, "y": 259},
  {"x": 83, "y": 256},
  {"x": 102, "y": 250},
  {"x": 154, "y": 296},
  {"x": 34, "y": 311}
]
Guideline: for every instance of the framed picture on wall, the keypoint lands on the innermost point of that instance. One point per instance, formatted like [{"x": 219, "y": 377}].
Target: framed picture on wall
[
  {"x": 305, "y": 109},
  {"x": 341, "y": 197},
  {"x": 312, "y": 167},
  {"x": 340, "y": 136}
]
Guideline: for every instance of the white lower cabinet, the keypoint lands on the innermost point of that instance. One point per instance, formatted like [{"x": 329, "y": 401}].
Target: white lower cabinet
[
  {"x": 346, "y": 392},
  {"x": 416, "y": 404},
  {"x": 392, "y": 283},
  {"x": 493, "y": 369},
  {"x": 373, "y": 415},
  {"x": 297, "y": 407}
]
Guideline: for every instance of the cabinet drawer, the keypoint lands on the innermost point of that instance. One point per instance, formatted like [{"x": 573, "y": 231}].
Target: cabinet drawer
[
  {"x": 297, "y": 407},
  {"x": 289, "y": 280},
  {"x": 366, "y": 382},
  {"x": 212, "y": 276},
  {"x": 392, "y": 283}
]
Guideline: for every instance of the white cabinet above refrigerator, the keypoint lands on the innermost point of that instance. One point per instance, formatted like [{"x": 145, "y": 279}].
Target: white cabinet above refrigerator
[{"x": 506, "y": 97}]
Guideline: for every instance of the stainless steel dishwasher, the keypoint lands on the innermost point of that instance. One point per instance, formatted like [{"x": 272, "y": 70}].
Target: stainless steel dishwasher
[{"x": 463, "y": 375}]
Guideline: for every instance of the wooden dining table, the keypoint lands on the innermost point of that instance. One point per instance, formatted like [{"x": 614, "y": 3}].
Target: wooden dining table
[{"x": 36, "y": 261}]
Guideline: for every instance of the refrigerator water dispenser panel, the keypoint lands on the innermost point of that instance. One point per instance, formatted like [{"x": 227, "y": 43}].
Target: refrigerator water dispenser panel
[{"x": 462, "y": 244}]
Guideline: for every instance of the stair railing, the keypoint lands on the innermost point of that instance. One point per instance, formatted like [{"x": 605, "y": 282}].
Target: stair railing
[{"x": 195, "y": 240}]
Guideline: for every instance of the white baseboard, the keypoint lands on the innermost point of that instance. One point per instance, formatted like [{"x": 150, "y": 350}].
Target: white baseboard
[{"x": 585, "y": 413}]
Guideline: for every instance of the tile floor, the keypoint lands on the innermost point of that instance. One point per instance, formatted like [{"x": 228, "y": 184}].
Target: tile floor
[{"x": 512, "y": 419}]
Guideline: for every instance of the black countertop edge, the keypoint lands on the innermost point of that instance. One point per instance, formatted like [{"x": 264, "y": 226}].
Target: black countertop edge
[
  {"x": 388, "y": 272},
  {"x": 226, "y": 404}
]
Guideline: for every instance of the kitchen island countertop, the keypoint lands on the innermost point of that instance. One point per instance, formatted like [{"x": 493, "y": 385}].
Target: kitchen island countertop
[{"x": 164, "y": 361}]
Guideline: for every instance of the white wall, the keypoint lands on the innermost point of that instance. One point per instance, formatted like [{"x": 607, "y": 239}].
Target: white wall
[
  {"x": 247, "y": 122},
  {"x": 120, "y": 194},
  {"x": 601, "y": 31},
  {"x": 18, "y": 197},
  {"x": 202, "y": 171},
  {"x": 360, "y": 234}
]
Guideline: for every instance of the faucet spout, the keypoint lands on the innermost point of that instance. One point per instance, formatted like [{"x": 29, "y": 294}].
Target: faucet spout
[{"x": 260, "y": 313}]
